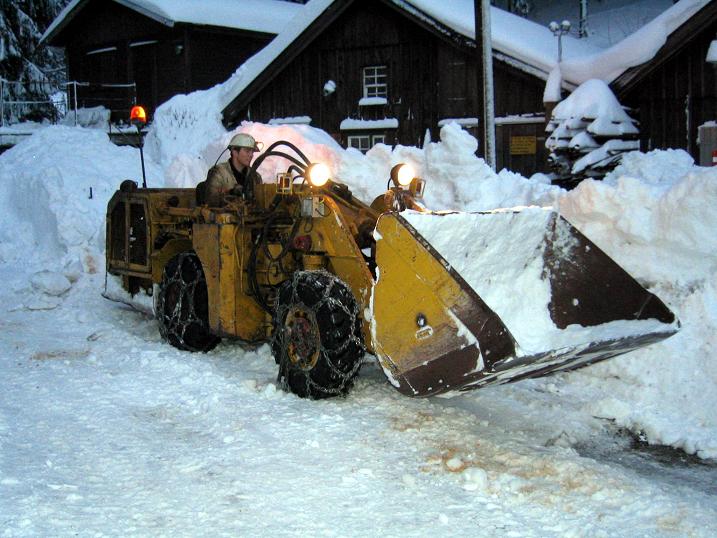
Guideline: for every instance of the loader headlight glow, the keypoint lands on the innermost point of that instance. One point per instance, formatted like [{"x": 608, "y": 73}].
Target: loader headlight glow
[
  {"x": 402, "y": 174},
  {"x": 318, "y": 174}
]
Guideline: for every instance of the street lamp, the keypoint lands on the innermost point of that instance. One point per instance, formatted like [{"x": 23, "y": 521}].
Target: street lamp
[{"x": 559, "y": 30}]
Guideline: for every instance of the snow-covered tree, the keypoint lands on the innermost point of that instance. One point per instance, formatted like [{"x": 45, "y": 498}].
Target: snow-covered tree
[
  {"x": 39, "y": 70},
  {"x": 588, "y": 133}
]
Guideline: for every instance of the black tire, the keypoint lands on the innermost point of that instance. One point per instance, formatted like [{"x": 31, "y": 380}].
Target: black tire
[
  {"x": 317, "y": 337},
  {"x": 183, "y": 305}
]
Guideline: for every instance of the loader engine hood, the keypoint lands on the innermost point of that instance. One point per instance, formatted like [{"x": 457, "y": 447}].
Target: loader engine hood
[{"x": 467, "y": 299}]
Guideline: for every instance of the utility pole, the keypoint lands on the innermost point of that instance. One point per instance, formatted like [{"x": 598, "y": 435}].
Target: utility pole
[
  {"x": 583, "y": 26},
  {"x": 484, "y": 71}
]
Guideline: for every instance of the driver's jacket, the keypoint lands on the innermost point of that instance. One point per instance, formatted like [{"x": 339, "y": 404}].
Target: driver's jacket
[{"x": 223, "y": 177}]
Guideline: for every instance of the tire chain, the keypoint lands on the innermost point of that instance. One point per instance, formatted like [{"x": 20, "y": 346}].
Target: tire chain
[
  {"x": 173, "y": 323},
  {"x": 326, "y": 298}
]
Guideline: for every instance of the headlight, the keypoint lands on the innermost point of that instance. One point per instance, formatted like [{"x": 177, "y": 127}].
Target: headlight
[
  {"x": 402, "y": 174},
  {"x": 318, "y": 174}
]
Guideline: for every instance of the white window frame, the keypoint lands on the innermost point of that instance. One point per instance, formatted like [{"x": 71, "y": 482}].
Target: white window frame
[
  {"x": 364, "y": 142},
  {"x": 360, "y": 142},
  {"x": 375, "y": 81}
]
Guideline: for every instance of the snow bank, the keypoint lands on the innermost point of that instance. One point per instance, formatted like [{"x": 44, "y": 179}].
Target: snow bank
[
  {"x": 55, "y": 189},
  {"x": 653, "y": 214}
]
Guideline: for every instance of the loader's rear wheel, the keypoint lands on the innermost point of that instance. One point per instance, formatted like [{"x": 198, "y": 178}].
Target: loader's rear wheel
[
  {"x": 317, "y": 335},
  {"x": 182, "y": 305}
]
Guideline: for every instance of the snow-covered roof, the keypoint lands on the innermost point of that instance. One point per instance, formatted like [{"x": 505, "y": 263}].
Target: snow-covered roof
[
  {"x": 268, "y": 16},
  {"x": 514, "y": 36},
  {"x": 634, "y": 50},
  {"x": 525, "y": 44},
  {"x": 535, "y": 45},
  {"x": 255, "y": 65}
]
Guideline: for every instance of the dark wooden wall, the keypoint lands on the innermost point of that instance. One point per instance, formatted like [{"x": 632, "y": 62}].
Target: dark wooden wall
[
  {"x": 429, "y": 78},
  {"x": 184, "y": 58},
  {"x": 677, "y": 97}
]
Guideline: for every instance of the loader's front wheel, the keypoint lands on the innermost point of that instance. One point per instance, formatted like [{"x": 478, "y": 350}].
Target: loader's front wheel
[
  {"x": 182, "y": 305},
  {"x": 317, "y": 335}
]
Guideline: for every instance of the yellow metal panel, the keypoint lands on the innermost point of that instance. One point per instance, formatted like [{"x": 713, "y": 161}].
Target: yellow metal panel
[
  {"x": 228, "y": 279},
  {"x": 205, "y": 238},
  {"x": 231, "y": 311},
  {"x": 413, "y": 286}
]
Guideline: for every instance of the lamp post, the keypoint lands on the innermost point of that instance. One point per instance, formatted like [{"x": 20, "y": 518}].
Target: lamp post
[{"x": 559, "y": 30}]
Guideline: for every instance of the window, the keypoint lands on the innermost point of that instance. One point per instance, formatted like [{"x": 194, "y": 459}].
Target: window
[
  {"x": 102, "y": 65},
  {"x": 363, "y": 143},
  {"x": 375, "y": 81}
]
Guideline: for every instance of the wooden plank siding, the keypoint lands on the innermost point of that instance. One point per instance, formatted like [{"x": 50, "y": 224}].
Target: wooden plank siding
[{"x": 430, "y": 77}]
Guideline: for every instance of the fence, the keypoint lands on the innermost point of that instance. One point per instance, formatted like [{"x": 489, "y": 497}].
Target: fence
[
  {"x": 37, "y": 101},
  {"x": 30, "y": 101},
  {"x": 117, "y": 98}
]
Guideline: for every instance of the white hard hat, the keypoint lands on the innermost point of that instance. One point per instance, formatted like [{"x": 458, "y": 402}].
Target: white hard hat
[{"x": 244, "y": 140}]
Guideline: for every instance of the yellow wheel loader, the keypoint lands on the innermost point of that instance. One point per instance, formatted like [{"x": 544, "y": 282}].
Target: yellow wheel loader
[{"x": 322, "y": 276}]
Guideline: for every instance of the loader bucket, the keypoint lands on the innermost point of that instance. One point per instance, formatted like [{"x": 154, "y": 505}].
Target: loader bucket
[{"x": 520, "y": 293}]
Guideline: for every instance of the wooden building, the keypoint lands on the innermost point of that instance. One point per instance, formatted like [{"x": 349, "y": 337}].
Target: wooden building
[
  {"x": 676, "y": 91},
  {"x": 162, "y": 46},
  {"x": 380, "y": 71}
]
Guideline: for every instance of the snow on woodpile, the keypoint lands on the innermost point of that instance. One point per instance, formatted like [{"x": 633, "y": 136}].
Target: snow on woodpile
[{"x": 589, "y": 131}]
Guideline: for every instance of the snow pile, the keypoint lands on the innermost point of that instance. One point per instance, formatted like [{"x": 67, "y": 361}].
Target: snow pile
[
  {"x": 97, "y": 117},
  {"x": 55, "y": 189},
  {"x": 654, "y": 214}
]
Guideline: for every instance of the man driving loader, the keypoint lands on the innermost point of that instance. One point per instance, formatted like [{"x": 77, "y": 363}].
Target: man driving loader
[{"x": 235, "y": 176}]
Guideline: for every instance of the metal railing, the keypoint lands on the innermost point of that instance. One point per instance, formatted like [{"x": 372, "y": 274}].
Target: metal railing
[
  {"x": 118, "y": 98},
  {"x": 32, "y": 101}
]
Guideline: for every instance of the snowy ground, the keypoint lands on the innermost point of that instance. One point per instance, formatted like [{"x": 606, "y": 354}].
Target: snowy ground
[{"x": 105, "y": 430}]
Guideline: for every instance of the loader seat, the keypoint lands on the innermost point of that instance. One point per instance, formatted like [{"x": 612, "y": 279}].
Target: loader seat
[{"x": 200, "y": 193}]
